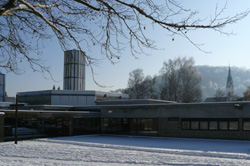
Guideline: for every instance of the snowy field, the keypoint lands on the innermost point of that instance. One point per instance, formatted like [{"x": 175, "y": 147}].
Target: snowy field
[{"x": 124, "y": 150}]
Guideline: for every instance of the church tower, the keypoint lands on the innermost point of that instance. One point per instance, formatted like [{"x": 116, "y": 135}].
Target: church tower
[{"x": 229, "y": 86}]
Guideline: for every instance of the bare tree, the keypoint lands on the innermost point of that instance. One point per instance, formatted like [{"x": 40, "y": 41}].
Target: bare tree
[
  {"x": 171, "y": 80},
  {"x": 190, "y": 81},
  {"x": 148, "y": 86},
  {"x": 181, "y": 81},
  {"x": 246, "y": 94},
  {"x": 220, "y": 95},
  {"x": 113, "y": 25},
  {"x": 135, "y": 86}
]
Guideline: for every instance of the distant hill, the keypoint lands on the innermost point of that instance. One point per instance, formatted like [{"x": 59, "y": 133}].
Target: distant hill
[{"x": 214, "y": 78}]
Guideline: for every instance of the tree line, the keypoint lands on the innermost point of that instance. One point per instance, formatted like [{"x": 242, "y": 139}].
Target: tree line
[
  {"x": 220, "y": 93},
  {"x": 178, "y": 80}
]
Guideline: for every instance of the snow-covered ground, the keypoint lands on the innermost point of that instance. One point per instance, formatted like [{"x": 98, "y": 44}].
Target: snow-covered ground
[{"x": 124, "y": 150}]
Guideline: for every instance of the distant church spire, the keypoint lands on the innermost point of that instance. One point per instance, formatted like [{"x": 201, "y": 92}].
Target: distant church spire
[{"x": 230, "y": 85}]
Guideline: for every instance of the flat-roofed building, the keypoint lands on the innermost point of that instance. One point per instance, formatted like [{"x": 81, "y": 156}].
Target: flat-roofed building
[
  {"x": 67, "y": 97},
  {"x": 213, "y": 120}
]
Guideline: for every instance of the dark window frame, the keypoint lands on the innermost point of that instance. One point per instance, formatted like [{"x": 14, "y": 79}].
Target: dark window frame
[
  {"x": 208, "y": 120},
  {"x": 189, "y": 126},
  {"x": 207, "y": 125},
  {"x": 194, "y": 122},
  {"x": 224, "y": 129},
  {"x": 243, "y": 121},
  {"x": 238, "y": 127}
]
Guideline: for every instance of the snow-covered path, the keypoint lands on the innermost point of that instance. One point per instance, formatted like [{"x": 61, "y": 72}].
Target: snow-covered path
[{"x": 124, "y": 150}]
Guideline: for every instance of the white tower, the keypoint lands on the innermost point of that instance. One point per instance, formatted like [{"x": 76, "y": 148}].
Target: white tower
[{"x": 74, "y": 70}]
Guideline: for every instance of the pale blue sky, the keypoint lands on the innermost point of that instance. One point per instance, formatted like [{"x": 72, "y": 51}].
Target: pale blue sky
[{"x": 224, "y": 49}]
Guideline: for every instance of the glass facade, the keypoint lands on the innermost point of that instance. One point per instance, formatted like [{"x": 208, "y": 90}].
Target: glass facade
[
  {"x": 130, "y": 126},
  {"x": 51, "y": 127},
  {"x": 147, "y": 126},
  {"x": 65, "y": 126},
  {"x": 86, "y": 126}
]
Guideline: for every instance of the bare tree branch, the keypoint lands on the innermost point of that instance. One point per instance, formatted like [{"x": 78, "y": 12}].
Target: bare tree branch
[{"x": 111, "y": 26}]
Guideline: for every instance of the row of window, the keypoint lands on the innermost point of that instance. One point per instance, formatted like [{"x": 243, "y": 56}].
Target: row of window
[
  {"x": 214, "y": 124},
  {"x": 210, "y": 124},
  {"x": 186, "y": 124}
]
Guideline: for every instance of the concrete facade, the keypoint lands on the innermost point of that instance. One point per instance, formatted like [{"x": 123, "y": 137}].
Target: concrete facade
[
  {"x": 193, "y": 110},
  {"x": 231, "y": 119},
  {"x": 225, "y": 120}
]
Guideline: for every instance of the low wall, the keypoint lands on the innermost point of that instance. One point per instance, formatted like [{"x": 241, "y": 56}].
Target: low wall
[{"x": 1, "y": 126}]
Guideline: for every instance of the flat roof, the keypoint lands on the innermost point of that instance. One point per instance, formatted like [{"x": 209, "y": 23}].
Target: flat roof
[
  {"x": 74, "y": 92},
  {"x": 58, "y": 107},
  {"x": 235, "y": 103},
  {"x": 133, "y": 101},
  {"x": 52, "y": 111},
  {"x": 46, "y": 107}
]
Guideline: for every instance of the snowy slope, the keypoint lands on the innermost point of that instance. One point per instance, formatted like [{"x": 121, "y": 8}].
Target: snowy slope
[{"x": 124, "y": 150}]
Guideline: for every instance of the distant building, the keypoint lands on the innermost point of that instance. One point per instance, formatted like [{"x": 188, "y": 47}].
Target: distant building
[
  {"x": 216, "y": 99},
  {"x": 73, "y": 92},
  {"x": 230, "y": 85},
  {"x": 74, "y": 70},
  {"x": 10, "y": 99},
  {"x": 229, "y": 90},
  {"x": 67, "y": 97}
]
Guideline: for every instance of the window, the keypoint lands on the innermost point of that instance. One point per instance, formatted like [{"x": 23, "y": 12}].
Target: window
[
  {"x": 185, "y": 125},
  {"x": 246, "y": 126},
  {"x": 204, "y": 125},
  {"x": 124, "y": 121},
  {"x": 105, "y": 122},
  {"x": 147, "y": 124},
  {"x": 233, "y": 126},
  {"x": 194, "y": 125},
  {"x": 213, "y": 125},
  {"x": 223, "y": 125}
]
